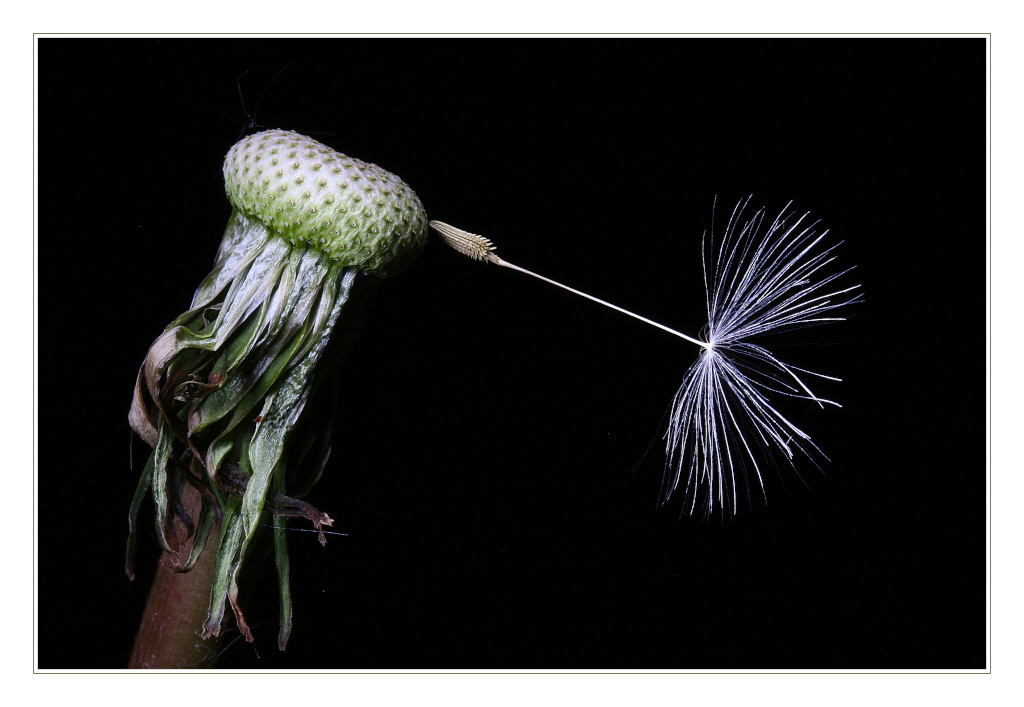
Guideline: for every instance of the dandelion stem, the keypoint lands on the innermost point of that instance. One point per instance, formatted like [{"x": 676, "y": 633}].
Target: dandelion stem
[{"x": 168, "y": 636}]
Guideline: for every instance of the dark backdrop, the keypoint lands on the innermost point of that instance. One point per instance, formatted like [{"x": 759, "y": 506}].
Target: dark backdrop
[{"x": 491, "y": 462}]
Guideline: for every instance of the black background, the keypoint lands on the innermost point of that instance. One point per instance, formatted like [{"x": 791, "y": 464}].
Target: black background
[{"x": 489, "y": 462}]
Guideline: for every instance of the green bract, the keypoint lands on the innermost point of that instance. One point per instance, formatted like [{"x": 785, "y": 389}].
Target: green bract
[{"x": 234, "y": 396}]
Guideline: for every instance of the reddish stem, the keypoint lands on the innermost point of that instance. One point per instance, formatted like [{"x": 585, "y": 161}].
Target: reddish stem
[{"x": 172, "y": 622}]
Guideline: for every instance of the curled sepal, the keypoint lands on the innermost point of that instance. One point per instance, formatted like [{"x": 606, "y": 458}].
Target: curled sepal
[
  {"x": 207, "y": 519},
  {"x": 227, "y": 550},
  {"x": 283, "y": 565}
]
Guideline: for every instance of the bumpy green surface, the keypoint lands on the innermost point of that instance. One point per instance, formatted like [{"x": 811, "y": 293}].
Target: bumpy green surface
[{"x": 358, "y": 214}]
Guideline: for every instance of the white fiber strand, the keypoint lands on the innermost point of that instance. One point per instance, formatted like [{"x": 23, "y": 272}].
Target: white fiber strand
[{"x": 723, "y": 423}]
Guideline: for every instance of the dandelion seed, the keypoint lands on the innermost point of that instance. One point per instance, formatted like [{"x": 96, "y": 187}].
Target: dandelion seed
[{"x": 723, "y": 424}]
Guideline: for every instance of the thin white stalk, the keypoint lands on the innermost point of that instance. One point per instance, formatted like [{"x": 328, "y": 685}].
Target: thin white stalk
[
  {"x": 480, "y": 248},
  {"x": 506, "y": 264}
]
